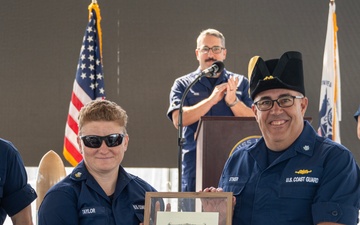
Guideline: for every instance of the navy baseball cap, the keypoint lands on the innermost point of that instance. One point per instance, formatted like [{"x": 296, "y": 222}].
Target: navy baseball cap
[{"x": 285, "y": 72}]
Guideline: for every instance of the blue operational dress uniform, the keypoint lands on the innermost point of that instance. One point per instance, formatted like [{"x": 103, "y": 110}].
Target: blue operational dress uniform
[
  {"x": 200, "y": 91},
  {"x": 15, "y": 192},
  {"x": 314, "y": 180},
  {"x": 79, "y": 200}
]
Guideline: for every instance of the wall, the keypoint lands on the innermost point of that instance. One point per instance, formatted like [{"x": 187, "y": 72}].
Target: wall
[{"x": 146, "y": 45}]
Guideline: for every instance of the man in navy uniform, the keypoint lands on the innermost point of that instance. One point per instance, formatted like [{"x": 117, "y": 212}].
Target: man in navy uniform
[
  {"x": 16, "y": 194},
  {"x": 291, "y": 175},
  {"x": 225, "y": 94}
]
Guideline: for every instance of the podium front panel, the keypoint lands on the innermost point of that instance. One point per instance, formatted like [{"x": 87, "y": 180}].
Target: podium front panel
[{"x": 216, "y": 137}]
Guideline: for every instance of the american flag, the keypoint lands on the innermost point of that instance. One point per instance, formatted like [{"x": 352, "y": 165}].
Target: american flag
[{"x": 88, "y": 84}]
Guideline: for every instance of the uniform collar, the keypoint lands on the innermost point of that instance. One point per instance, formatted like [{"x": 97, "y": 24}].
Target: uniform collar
[
  {"x": 80, "y": 173},
  {"x": 198, "y": 71},
  {"x": 205, "y": 80},
  {"x": 304, "y": 144}
]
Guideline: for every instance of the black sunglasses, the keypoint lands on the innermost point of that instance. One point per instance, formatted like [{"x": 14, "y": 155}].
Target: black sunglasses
[{"x": 94, "y": 141}]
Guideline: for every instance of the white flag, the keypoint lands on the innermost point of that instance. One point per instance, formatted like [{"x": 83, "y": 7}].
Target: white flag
[{"x": 330, "y": 95}]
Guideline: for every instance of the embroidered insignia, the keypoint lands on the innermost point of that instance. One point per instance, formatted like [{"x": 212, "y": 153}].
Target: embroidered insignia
[
  {"x": 139, "y": 207},
  {"x": 306, "y": 148},
  {"x": 233, "y": 179},
  {"x": 268, "y": 77},
  {"x": 303, "y": 171}
]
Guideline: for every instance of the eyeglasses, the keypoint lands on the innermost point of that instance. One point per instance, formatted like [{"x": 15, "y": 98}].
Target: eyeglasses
[
  {"x": 94, "y": 141},
  {"x": 283, "y": 102},
  {"x": 214, "y": 49}
]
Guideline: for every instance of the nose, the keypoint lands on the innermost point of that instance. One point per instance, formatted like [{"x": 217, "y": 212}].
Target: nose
[
  {"x": 276, "y": 109},
  {"x": 103, "y": 146},
  {"x": 210, "y": 52}
]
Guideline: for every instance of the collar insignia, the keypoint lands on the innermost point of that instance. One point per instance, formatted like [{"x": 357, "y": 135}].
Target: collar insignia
[{"x": 78, "y": 174}]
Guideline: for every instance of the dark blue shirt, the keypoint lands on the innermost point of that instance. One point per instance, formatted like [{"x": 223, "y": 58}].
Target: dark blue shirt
[
  {"x": 314, "y": 180},
  {"x": 200, "y": 91},
  {"x": 15, "y": 192},
  {"x": 79, "y": 200}
]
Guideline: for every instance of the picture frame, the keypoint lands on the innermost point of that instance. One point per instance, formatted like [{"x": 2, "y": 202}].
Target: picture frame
[{"x": 209, "y": 208}]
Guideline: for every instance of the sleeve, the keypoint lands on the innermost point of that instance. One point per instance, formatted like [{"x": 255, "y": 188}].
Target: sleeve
[
  {"x": 245, "y": 96},
  {"x": 63, "y": 212},
  {"x": 176, "y": 94},
  {"x": 142, "y": 186},
  {"x": 337, "y": 199},
  {"x": 15, "y": 191}
]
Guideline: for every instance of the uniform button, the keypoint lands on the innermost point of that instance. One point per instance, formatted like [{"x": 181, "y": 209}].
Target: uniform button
[{"x": 334, "y": 213}]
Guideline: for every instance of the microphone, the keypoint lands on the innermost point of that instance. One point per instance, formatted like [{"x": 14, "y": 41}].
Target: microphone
[{"x": 216, "y": 67}]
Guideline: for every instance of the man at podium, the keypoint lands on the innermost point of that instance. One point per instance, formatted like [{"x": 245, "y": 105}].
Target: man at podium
[
  {"x": 225, "y": 94},
  {"x": 291, "y": 175}
]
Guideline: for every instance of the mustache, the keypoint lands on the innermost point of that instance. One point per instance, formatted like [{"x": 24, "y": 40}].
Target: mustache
[{"x": 210, "y": 59}]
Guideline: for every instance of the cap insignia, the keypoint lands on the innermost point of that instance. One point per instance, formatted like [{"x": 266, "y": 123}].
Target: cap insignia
[{"x": 268, "y": 77}]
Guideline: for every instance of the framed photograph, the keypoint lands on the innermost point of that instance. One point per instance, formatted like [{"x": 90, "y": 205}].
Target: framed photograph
[{"x": 188, "y": 208}]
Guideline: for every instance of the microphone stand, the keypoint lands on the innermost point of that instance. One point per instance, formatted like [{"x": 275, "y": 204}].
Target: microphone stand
[
  {"x": 180, "y": 128},
  {"x": 181, "y": 140}
]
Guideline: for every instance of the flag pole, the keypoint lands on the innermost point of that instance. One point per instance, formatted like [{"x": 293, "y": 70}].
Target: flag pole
[{"x": 95, "y": 6}]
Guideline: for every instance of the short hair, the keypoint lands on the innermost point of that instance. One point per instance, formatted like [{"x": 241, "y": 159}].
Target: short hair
[
  {"x": 211, "y": 32},
  {"x": 102, "y": 110}
]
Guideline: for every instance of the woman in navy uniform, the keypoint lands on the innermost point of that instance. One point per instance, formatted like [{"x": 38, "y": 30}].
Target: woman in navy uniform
[{"x": 98, "y": 191}]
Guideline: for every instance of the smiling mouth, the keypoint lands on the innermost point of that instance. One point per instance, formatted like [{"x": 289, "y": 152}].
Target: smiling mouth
[
  {"x": 105, "y": 158},
  {"x": 278, "y": 122}
]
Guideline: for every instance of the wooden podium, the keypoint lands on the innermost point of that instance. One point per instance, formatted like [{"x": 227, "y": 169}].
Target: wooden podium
[{"x": 216, "y": 136}]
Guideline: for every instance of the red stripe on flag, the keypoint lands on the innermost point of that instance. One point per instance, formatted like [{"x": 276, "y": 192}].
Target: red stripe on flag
[
  {"x": 72, "y": 150},
  {"x": 76, "y": 101},
  {"x": 72, "y": 124}
]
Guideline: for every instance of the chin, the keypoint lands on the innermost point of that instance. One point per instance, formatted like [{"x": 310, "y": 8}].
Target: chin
[{"x": 277, "y": 136}]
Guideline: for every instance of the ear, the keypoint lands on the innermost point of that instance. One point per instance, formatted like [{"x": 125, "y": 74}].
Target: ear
[
  {"x": 255, "y": 110},
  {"x": 304, "y": 105},
  {"x": 197, "y": 53},
  {"x": 126, "y": 142},
  {"x": 224, "y": 52}
]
